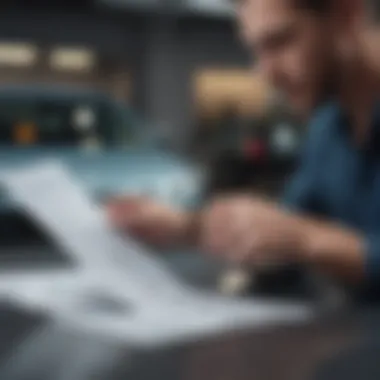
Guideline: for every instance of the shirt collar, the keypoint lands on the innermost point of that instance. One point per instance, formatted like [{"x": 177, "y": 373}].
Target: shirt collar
[{"x": 375, "y": 127}]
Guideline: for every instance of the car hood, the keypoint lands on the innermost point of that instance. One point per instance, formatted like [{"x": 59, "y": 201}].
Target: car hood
[{"x": 111, "y": 171}]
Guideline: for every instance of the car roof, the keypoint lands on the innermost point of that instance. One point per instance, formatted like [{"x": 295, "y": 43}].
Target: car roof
[{"x": 52, "y": 92}]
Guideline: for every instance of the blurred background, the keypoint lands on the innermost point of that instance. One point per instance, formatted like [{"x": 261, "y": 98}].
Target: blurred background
[
  {"x": 152, "y": 97},
  {"x": 176, "y": 64}
]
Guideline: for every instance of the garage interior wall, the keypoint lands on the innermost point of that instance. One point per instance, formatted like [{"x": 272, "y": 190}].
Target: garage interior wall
[
  {"x": 155, "y": 58},
  {"x": 177, "y": 50},
  {"x": 115, "y": 46}
]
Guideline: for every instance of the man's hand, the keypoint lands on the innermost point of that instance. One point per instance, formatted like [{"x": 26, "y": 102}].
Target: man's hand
[
  {"x": 255, "y": 232},
  {"x": 150, "y": 221},
  {"x": 247, "y": 230}
]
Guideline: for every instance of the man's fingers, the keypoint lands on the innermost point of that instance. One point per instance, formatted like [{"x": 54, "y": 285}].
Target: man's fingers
[
  {"x": 241, "y": 238},
  {"x": 215, "y": 230},
  {"x": 223, "y": 232},
  {"x": 244, "y": 247}
]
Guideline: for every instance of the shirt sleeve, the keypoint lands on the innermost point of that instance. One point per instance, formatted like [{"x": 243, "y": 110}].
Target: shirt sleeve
[
  {"x": 302, "y": 193},
  {"x": 373, "y": 259},
  {"x": 369, "y": 290}
]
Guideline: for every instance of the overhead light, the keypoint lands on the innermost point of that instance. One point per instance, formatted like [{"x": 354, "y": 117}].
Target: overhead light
[
  {"x": 17, "y": 54},
  {"x": 72, "y": 59}
]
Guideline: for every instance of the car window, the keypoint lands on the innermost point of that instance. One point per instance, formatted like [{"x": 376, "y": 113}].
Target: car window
[
  {"x": 43, "y": 121},
  {"x": 64, "y": 123},
  {"x": 47, "y": 122}
]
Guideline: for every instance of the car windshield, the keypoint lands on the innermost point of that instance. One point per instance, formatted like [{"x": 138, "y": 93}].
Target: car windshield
[{"x": 28, "y": 122}]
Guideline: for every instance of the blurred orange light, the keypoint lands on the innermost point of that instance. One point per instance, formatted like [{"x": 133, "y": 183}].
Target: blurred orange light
[{"x": 25, "y": 134}]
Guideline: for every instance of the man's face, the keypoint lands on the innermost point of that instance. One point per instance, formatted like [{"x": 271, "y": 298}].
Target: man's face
[{"x": 291, "y": 47}]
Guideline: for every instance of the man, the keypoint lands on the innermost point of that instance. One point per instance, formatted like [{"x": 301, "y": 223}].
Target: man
[{"x": 316, "y": 53}]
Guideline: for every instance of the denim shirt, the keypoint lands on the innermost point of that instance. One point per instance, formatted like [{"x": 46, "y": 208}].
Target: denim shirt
[{"x": 339, "y": 181}]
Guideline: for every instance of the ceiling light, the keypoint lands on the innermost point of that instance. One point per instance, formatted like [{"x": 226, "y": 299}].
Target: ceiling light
[
  {"x": 72, "y": 59},
  {"x": 17, "y": 54}
]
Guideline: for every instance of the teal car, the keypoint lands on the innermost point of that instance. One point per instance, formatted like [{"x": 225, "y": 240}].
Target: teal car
[
  {"x": 104, "y": 144},
  {"x": 109, "y": 150}
]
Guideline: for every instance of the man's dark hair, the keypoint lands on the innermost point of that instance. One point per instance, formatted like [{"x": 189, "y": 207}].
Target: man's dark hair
[{"x": 321, "y": 6}]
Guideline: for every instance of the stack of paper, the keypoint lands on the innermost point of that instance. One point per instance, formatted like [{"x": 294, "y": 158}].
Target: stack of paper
[{"x": 128, "y": 293}]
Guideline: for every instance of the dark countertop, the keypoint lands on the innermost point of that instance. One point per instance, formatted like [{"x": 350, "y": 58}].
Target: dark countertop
[
  {"x": 332, "y": 347},
  {"x": 340, "y": 344}
]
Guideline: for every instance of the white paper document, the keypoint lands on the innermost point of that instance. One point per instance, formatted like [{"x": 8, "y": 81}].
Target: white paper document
[
  {"x": 127, "y": 293},
  {"x": 49, "y": 194}
]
